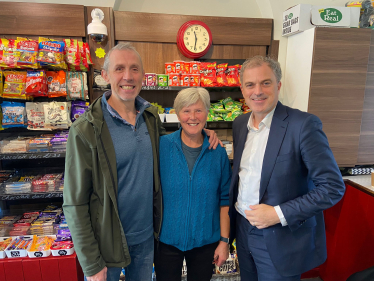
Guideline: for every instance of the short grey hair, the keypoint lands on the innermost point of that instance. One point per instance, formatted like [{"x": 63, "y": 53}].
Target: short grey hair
[
  {"x": 190, "y": 96},
  {"x": 121, "y": 46},
  {"x": 260, "y": 60}
]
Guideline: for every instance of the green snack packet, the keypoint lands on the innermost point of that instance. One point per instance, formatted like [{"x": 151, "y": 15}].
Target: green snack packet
[{"x": 228, "y": 103}]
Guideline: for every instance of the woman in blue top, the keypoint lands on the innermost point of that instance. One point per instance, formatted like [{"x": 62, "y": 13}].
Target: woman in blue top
[{"x": 195, "y": 184}]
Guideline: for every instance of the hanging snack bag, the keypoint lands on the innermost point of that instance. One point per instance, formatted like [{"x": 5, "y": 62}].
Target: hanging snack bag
[
  {"x": 57, "y": 115},
  {"x": 8, "y": 53},
  {"x": 221, "y": 75},
  {"x": 75, "y": 86},
  {"x": 72, "y": 53},
  {"x": 28, "y": 53},
  {"x": 233, "y": 76},
  {"x": 83, "y": 65},
  {"x": 85, "y": 87},
  {"x": 14, "y": 114},
  {"x": 56, "y": 81},
  {"x": 1, "y": 82},
  {"x": 14, "y": 85},
  {"x": 88, "y": 54},
  {"x": 77, "y": 109},
  {"x": 35, "y": 115},
  {"x": 51, "y": 52},
  {"x": 208, "y": 74},
  {"x": 36, "y": 83}
]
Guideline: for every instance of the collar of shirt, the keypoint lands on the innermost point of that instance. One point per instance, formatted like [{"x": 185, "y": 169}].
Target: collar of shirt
[
  {"x": 266, "y": 121},
  {"x": 140, "y": 105}
]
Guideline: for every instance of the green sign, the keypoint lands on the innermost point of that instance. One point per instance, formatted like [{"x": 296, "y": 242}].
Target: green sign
[
  {"x": 330, "y": 15},
  {"x": 290, "y": 16}
]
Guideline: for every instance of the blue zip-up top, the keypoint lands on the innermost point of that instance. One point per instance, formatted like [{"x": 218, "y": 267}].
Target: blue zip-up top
[{"x": 192, "y": 202}]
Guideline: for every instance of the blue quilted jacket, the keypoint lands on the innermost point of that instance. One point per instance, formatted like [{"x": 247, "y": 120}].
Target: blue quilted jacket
[{"x": 191, "y": 216}]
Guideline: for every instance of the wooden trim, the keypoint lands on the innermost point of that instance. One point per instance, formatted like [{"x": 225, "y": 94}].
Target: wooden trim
[
  {"x": 359, "y": 187},
  {"x": 163, "y": 28},
  {"x": 274, "y": 49},
  {"x": 42, "y": 19}
]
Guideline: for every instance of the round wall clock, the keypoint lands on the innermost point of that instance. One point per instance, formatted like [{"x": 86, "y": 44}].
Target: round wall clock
[{"x": 194, "y": 39}]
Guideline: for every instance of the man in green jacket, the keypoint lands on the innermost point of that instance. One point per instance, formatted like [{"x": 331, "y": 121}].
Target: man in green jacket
[{"x": 112, "y": 193}]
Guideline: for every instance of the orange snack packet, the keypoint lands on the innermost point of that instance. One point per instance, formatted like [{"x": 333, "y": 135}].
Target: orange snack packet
[
  {"x": 56, "y": 83},
  {"x": 233, "y": 76},
  {"x": 208, "y": 74},
  {"x": 221, "y": 75}
]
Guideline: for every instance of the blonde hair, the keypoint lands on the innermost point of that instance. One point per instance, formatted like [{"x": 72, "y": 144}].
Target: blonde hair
[{"x": 190, "y": 96}]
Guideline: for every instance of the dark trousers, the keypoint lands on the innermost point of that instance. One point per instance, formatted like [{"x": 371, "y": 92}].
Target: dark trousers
[
  {"x": 169, "y": 262},
  {"x": 254, "y": 260}
]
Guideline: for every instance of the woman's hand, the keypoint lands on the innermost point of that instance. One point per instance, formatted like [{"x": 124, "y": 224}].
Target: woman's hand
[
  {"x": 213, "y": 139},
  {"x": 221, "y": 253}
]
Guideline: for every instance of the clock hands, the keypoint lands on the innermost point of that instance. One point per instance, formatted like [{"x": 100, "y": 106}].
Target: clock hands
[{"x": 195, "y": 40}]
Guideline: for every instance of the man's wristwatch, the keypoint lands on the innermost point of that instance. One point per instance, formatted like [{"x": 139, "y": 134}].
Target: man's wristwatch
[{"x": 223, "y": 239}]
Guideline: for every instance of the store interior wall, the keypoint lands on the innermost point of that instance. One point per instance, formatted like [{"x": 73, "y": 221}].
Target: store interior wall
[{"x": 225, "y": 8}]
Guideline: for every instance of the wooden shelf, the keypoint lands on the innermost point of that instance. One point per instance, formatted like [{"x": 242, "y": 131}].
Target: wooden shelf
[{"x": 32, "y": 155}]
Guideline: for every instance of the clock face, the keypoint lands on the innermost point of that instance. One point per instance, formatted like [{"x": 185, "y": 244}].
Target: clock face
[{"x": 196, "y": 38}]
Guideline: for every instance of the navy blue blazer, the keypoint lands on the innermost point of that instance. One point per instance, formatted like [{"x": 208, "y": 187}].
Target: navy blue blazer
[{"x": 300, "y": 174}]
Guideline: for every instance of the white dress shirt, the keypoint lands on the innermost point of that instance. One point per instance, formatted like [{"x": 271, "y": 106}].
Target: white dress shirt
[{"x": 251, "y": 166}]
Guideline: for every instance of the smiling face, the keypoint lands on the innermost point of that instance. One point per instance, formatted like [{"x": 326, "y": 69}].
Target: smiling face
[
  {"x": 260, "y": 90},
  {"x": 125, "y": 75},
  {"x": 193, "y": 119}
]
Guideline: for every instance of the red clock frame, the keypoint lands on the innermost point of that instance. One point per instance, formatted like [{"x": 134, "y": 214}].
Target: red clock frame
[{"x": 180, "y": 41}]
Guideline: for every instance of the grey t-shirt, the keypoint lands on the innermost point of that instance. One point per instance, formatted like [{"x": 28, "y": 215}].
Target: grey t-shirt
[{"x": 191, "y": 154}]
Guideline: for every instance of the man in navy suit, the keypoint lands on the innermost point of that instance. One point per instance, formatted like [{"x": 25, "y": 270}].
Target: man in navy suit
[{"x": 284, "y": 176}]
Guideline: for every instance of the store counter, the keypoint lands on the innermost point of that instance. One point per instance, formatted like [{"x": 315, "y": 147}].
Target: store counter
[{"x": 350, "y": 231}]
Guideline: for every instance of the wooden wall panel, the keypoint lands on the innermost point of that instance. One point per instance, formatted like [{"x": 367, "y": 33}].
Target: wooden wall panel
[
  {"x": 340, "y": 59},
  {"x": 163, "y": 28},
  {"x": 154, "y": 55},
  {"x": 366, "y": 144},
  {"x": 42, "y": 19},
  {"x": 274, "y": 49}
]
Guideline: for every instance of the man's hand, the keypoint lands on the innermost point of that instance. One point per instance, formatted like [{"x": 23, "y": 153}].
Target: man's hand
[
  {"x": 262, "y": 216},
  {"x": 100, "y": 276},
  {"x": 213, "y": 139},
  {"x": 221, "y": 253}
]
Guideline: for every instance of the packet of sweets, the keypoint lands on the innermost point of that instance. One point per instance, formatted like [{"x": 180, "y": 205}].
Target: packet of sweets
[
  {"x": 72, "y": 54},
  {"x": 35, "y": 115},
  {"x": 221, "y": 75},
  {"x": 75, "y": 86},
  {"x": 1, "y": 82},
  {"x": 14, "y": 114},
  {"x": 83, "y": 65},
  {"x": 14, "y": 85},
  {"x": 36, "y": 83},
  {"x": 9, "y": 55},
  {"x": 56, "y": 81},
  {"x": 208, "y": 74},
  {"x": 88, "y": 54},
  {"x": 28, "y": 52},
  {"x": 233, "y": 76},
  {"x": 50, "y": 52}
]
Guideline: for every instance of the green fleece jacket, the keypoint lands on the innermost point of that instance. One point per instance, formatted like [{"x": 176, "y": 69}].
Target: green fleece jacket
[{"x": 90, "y": 190}]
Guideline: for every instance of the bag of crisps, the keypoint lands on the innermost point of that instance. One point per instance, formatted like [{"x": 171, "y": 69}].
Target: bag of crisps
[
  {"x": 14, "y": 85},
  {"x": 56, "y": 83},
  {"x": 28, "y": 52},
  {"x": 9, "y": 55},
  {"x": 1, "y": 83},
  {"x": 221, "y": 75},
  {"x": 51, "y": 52},
  {"x": 36, "y": 83},
  {"x": 72, "y": 54},
  {"x": 233, "y": 76},
  {"x": 208, "y": 74}
]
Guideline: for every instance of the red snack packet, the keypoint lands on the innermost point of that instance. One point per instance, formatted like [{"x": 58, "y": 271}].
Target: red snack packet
[
  {"x": 72, "y": 54},
  {"x": 8, "y": 53},
  {"x": 221, "y": 75},
  {"x": 208, "y": 74},
  {"x": 56, "y": 81},
  {"x": 28, "y": 53},
  {"x": 83, "y": 66},
  {"x": 233, "y": 76},
  {"x": 88, "y": 54},
  {"x": 36, "y": 83}
]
